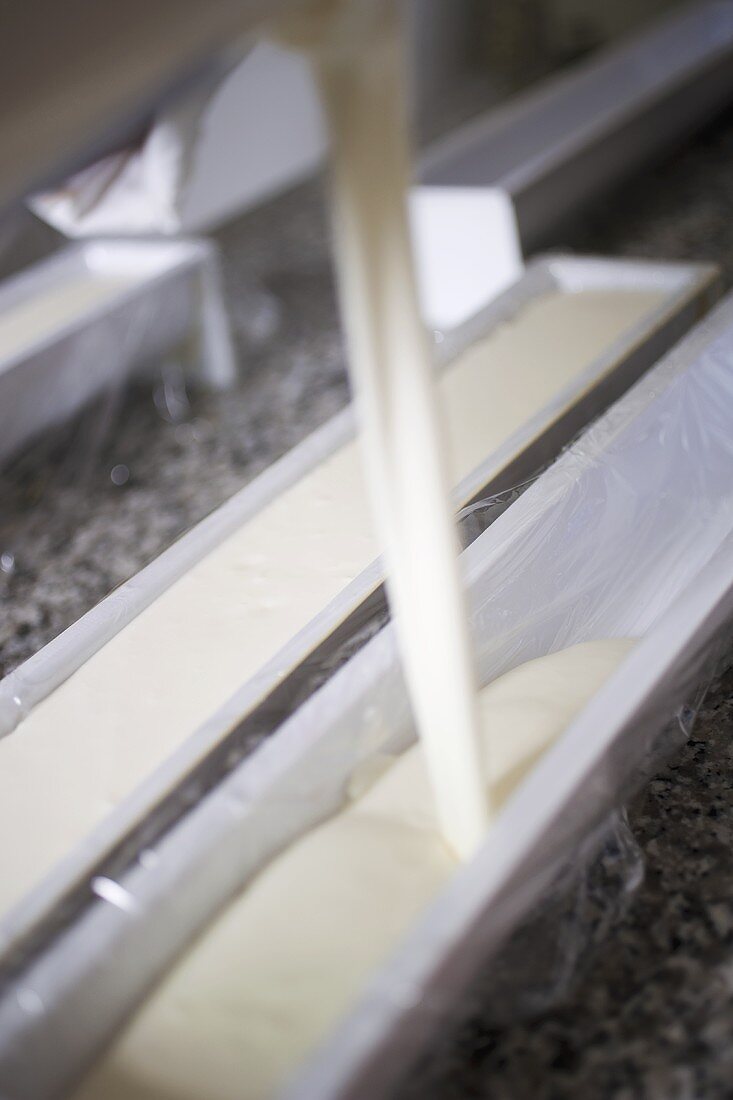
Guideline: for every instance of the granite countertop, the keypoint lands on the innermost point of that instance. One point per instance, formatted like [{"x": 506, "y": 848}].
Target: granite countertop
[{"x": 651, "y": 1012}]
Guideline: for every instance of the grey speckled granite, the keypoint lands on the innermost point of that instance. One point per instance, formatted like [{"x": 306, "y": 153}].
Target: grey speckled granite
[{"x": 651, "y": 1014}]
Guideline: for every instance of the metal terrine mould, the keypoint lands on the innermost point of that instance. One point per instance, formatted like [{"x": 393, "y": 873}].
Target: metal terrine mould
[
  {"x": 286, "y": 680},
  {"x": 628, "y": 533},
  {"x": 163, "y": 297}
]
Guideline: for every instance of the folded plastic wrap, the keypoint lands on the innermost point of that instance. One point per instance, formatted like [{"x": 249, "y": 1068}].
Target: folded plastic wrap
[{"x": 629, "y": 533}]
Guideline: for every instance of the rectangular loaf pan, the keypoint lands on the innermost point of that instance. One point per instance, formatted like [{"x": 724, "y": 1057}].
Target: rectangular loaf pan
[
  {"x": 285, "y": 680},
  {"x": 628, "y": 533},
  {"x": 162, "y": 297}
]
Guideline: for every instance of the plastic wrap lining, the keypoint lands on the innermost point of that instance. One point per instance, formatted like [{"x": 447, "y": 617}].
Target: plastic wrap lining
[{"x": 685, "y": 290}]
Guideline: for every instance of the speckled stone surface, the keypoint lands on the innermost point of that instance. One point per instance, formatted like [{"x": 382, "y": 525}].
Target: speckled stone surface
[{"x": 651, "y": 1013}]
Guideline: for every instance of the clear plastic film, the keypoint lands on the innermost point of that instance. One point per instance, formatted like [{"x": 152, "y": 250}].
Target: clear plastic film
[
  {"x": 154, "y": 896},
  {"x": 552, "y": 951},
  {"x": 635, "y": 518}
]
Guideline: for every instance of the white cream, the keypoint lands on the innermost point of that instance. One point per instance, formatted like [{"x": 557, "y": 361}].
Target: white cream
[
  {"x": 86, "y": 746},
  {"x": 400, "y": 423},
  {"x": 53, "y": 307},
  {"x": 270, "y": 979}
]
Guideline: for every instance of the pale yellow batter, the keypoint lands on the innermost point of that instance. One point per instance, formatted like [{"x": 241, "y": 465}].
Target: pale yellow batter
[
  {"x": 86, "y": 746},
  {"x": 57, "y": 305},
  {"x": 360, "y": 71},
  {"x": 271, "y": 978}
]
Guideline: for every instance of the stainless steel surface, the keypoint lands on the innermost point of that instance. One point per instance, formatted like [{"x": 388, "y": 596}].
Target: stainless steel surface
[
  {"x": 66, "y": 942},
  {"x": 561, "y": 145},
  {"x": 167, "y": 301}
]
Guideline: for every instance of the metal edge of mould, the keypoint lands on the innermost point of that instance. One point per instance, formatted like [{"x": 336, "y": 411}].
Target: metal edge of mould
[
  {"x": 159, "y": 295},
  {"x": 563, "y": 143},
  {"x": 79, "y": 991},
  {"x": 273, "y": 693}
]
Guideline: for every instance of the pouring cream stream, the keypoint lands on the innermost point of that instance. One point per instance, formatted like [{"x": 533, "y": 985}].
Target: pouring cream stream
[{"x": 356, "y": 52}]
